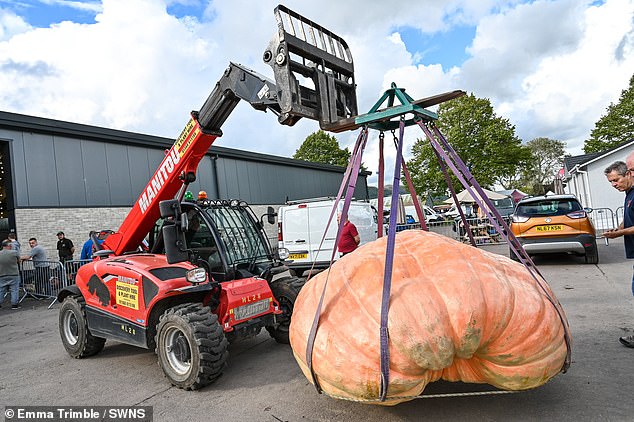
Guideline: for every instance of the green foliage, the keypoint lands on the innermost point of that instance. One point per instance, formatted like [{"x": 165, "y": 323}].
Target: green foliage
[
  {"x": 319, "y": 147},
  {"x": 547, "y": 159},
  {"x": 485, "y": 142},
  {"x": 616, "y": 126}
]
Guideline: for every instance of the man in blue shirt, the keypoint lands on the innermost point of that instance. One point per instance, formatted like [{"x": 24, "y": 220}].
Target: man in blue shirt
[{"x": 621, "y": 176}]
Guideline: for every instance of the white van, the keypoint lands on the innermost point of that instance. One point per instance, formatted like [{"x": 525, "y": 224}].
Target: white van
[
  {"x": 430, "y": 215},
  {"x": 301, "y": 226}
]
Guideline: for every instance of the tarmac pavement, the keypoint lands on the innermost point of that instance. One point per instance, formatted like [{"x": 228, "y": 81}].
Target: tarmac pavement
[{"x": 263, "y": 382}]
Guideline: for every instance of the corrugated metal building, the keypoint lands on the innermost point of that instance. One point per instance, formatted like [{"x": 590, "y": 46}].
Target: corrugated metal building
[{"x": 57, "y": 175}]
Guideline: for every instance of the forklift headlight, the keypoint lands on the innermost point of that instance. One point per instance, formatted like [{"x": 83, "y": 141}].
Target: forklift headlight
[
  {"x": 283, "y": 253},
  {"x": 196, "y": 276}
]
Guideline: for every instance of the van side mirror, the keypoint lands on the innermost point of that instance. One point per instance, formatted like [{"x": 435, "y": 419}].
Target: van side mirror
[{"x": 588, "y": 210}]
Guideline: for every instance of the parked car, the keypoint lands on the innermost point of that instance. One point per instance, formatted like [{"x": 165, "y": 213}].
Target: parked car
[
  {"x": 554, "y": 223},
  {"x": 431, "y": 216},
  {"x": 453, "y": 213},
  {"x": 504, "y": 206},
  {"x": 301, "y": 226}
]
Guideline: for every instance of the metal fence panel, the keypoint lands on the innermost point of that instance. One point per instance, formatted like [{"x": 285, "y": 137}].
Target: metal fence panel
[
  {"x": 603, "y": 220},
  {"x": 482, "y": 230},
  {"x": 45, "y": 279}
]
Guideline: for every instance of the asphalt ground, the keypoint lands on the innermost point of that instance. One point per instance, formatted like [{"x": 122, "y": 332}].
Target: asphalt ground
[{"x": 262, "y": 381}]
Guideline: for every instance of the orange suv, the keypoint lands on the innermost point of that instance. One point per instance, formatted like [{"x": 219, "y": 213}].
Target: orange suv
[{"x": 554, "y": 223}]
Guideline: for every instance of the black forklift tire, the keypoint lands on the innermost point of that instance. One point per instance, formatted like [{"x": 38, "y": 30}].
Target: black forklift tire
[
  {"x": 73, "y": 328},
  {"x": 592, "y": 257},
  {"x": 191, "y": 346},
  {"x": 285, "y": 292}
]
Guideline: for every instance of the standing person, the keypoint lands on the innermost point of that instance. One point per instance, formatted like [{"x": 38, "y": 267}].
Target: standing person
[
  {"x": 9, "y": 273},
  {"x": 38, "y": 256},
  {"x": 86, "y": 250},
  {"x": 15, "y": 245},
  {"x": 349, "y": 237},
  {"x": 65, "y": 248},
  {"x": 621, "y": 176}
]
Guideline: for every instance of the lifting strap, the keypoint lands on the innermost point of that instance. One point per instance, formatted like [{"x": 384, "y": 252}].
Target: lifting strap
[
  {"x": 348, "y": 184},
  {"x": 447, "y": 157},
  {"x": 459, "y": 168},
  {"x": 387, "y": 275}
]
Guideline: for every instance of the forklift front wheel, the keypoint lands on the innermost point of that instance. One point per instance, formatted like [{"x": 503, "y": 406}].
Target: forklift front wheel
[{"x": 191, "y": 346}]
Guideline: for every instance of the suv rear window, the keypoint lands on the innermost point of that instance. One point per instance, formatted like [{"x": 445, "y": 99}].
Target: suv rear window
[{"x": 548, "y": 207}]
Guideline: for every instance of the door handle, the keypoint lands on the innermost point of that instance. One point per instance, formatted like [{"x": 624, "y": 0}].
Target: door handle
[{"x": 300, "y": 241}]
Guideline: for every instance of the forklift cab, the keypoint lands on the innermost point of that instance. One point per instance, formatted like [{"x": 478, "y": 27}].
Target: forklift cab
[{"x": 222, "y": 236}]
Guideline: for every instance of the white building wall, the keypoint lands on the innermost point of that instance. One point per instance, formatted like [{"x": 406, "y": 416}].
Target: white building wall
[{"x": 603, "y": 194}]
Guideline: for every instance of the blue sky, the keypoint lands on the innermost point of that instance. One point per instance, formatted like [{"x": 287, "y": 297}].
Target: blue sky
[
  {"x": 551, "y": 67},
  {"x": 447, "y": 47}
]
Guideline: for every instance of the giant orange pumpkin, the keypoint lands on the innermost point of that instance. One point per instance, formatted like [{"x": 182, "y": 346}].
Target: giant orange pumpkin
[{"x": 456, "y": 312}]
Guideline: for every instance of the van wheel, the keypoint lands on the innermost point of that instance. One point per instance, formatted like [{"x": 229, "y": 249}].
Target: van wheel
[{"x": 592, "y": 256}]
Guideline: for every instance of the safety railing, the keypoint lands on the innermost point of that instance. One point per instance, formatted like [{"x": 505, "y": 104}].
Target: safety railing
[
  {"x": 44, "y": 279},
  {"x": 618, "y": 215},
  {"x": 482, "y": 230},
  {"x": 603, "y": 219}
]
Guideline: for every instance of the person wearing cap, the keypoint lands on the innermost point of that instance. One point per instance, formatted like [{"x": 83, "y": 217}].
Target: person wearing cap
[
  {"x": 65, "y": 248},
  {"x": 9, "y": 273},
  {"x": 89, "y": 246}
]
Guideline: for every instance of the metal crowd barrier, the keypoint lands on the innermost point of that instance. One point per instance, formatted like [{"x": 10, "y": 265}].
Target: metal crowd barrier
[
  {"x": 44, "y": 279},
  {"x": 482, "y": 230},
  {"x": 603, "y": 220}
]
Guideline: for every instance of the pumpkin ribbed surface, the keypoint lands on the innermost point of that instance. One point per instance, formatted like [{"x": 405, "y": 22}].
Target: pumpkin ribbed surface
[{"x": 456, "y": 312}]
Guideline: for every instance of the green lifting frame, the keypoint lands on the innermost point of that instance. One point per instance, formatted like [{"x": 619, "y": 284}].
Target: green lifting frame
[{"x": 381, "y": 118}]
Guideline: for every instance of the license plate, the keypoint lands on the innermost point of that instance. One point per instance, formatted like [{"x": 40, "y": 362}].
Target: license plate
[
  {"x": 552, "y": 228},
  {"x": 252, "y": 309},
  {"x": 298, "y": 256}
]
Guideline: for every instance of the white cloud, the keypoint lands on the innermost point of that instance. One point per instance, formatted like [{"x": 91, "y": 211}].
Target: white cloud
[
  {"x": 91, "y": 6},
  {"x": 551, "y": 67},
  {"x": 11, "y": 25}
]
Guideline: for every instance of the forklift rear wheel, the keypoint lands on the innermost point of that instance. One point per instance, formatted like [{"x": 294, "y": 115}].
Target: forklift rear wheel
[
  {"x": 73, "y": 328},
  {"x": 191, "y": 346},
  {"x": 285, "y": 292}
]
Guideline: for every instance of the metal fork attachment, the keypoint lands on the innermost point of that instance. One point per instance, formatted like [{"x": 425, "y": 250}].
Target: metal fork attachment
[{"x": 313, "y": 71}]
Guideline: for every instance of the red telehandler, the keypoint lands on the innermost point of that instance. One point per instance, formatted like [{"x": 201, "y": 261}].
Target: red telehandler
[{"x": 210, "y": 275}]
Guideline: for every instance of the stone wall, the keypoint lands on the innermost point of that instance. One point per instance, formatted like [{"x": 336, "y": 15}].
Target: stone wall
[{"x": 76, "y": 223}]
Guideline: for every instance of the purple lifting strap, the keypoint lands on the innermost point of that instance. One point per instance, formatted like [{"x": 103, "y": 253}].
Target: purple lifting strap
[
  {"x": 349, "y": 182},
  {"x": 387, "y": 275},
  {"x": 468, "y": 181}
]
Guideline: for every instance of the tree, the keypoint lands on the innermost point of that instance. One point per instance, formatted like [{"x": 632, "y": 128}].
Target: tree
[
  {"x": 484, "y": 141},
  {"x": 320, "y": 147},
  {"x": 547, "y": 159},
  {"x": 616, "y": 126}
]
